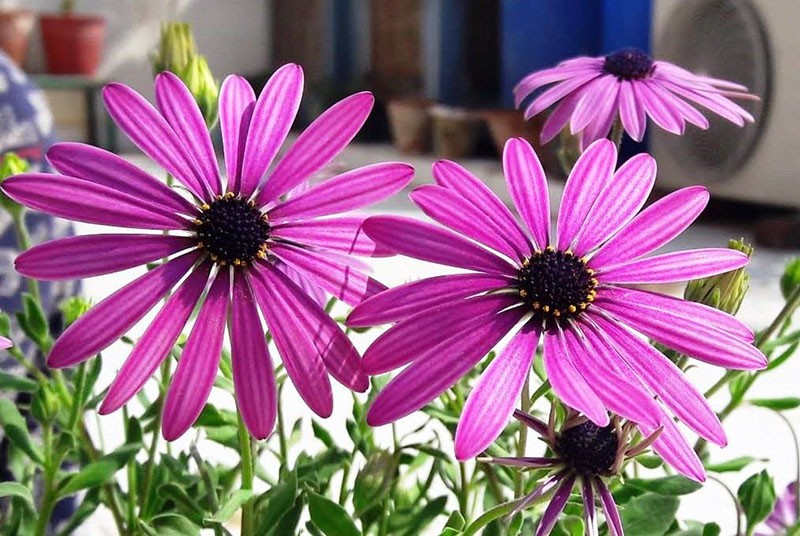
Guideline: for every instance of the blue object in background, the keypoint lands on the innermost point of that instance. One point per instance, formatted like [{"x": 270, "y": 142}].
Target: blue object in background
[{"x": 538, "y": 34}]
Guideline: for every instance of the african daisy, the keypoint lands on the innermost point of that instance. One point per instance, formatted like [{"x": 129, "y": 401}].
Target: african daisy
[
  {"x": 5, "y": 343},
  {"x": 592, "y": 92},
  {"x": 243, "y": 245},
  {"x": 573, "y": 292}
]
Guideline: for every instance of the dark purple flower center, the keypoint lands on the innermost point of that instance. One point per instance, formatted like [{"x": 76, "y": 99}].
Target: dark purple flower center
[
  {"x": 629, "y": 64},
  {"x": 232, "y": 230},
  {"x": 588, "y": 449},
  {"x": 556, "y": 284}
]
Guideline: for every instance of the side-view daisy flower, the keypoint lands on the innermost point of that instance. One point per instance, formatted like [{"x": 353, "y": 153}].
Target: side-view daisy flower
[
  {"x": 583, "y": 454},
  {"x": 591, "y": 93},
  {"x": 236, "y": 242},
  {"x": 574, "y": 291}
]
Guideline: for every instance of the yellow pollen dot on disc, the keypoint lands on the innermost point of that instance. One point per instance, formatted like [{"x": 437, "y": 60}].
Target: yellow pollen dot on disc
[
  {"x": 550, "y": 248},
  {"x": 593, "y": 281},
  {"x": 556, "y": 313},
  {"x": 583, "y": 306},
  {"x": 572, "y": 309},
  {"x": 201, "y": 245},
  {"x": 590, "y": 271},
  {"x": 197, "y": 221},
  {"x": 526, "y": 263},
  {"x": 205, "y": 206},
  {"x": 230, "y": 195},
  {"x": 523, "y": 293},
  {"x": 590, "y": 298},
  {"x": 568, "y": 253},
  {"x": 546, "y": 308},
  {"x": 251, "y": 204},
  {"x": 536, "y": 305}
]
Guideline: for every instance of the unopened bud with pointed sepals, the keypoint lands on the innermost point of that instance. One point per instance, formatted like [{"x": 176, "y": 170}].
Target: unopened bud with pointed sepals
[
  {"x": 198, "y": 78},
  {"x": 12, "y": 164},
  {"x": 790, "y": 279},
  {"x": 724, "y": 291}
]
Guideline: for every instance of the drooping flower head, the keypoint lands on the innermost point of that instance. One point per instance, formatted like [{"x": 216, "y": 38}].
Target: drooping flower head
[
  {"x": 783, "y": 517},
  {"x": 573, "y": 291},
  {"x": 582, "y": 454},
  {"x": 237, "y": 247},
  {"x": 591, "y": 93}
]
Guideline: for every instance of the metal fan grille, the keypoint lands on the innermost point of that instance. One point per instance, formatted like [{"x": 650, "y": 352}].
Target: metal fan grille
[{"x": 725, "y": 39}]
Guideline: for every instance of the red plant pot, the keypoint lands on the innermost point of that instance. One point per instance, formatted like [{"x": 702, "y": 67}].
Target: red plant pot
[
  {"x": 73, "y": 44},
  {"x": 15, "y": 33}
]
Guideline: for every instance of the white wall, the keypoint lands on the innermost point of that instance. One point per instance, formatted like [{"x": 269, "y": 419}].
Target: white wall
[{"x": 233, "y": 34}]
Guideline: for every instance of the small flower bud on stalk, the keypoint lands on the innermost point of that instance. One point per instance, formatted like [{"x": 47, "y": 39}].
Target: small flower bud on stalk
[
  {"x": 177, "y": 54},
  {"x": 724, "y": 291},
  {"x": 790, "y": 279}
]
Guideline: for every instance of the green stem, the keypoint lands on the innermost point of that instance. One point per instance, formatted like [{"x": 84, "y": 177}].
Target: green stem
[
  {"x": 151, "y": 453},
  {"x": 77, "y": 402},
  {"x": 284, "y": 449},
  {"x": 523, "y": 433},
  {"x": 20, "y": 358},
  {"x": 616, "y": 133},
  {"x": 463, "y": 497},
  {"x": 24, "y": 243},
  {"x": 739, "y": 511},
  {"x": 248, "y": 514},
  {"x": 797, "y": 455},
  {"x": 49, "y": 497},
  {"x": 211, "y": 492}
]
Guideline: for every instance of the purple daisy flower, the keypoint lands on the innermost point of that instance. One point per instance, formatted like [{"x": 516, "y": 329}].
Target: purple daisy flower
[
  {"x": 5, "y": 343},
  {"x": 783, "y": 516},
  {"x": 242, "y": 245},
  {"x": 592, "y": 92},
  {"x": 573, "y": 291},
  {"x": 582, "y": 454}
]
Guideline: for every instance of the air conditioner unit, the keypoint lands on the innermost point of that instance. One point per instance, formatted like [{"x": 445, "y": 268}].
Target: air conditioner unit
[{"x": 755, "y": 43}]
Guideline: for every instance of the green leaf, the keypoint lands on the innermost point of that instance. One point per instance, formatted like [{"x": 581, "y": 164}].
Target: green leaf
[
  {"x": 651, "y": 462},
  {"x": 17, "y": 432},
  {"x": 778, "y": 404},
  {"x": 670, "y": 485},
  {"x": 322, "y": 434},
  {"x": 288, "y": 523},
  {"x": 569, "y": 526},
  {"x": 757, "y": 497},
  {"x": 490, "y": 515},
  {"x": 170, "y": 524},
  {"x": 732, "y": 466},
  {"x": 11, "y": 382},
  {"x": 15, "y": 489},
  {"x": 101, "y": 471},
  {"x": 279, "y": 501},
  {"x": 421, "y": 519},
  {"x": 188, "y": 505},
  {"x": 374, "y": 481},
  {"x": 329, "y": 517},
  {"x": 226, "y": 511},
  {"x": 456, "y": 521},
  {"x": 649, "y": 514},
  {"x": 35, "y": 324}
]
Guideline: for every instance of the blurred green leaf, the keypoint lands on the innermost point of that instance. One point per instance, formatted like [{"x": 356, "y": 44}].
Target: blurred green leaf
[
  {"x": 234, "y": 503},
  {"x": 15, "y": 489},
  {"x": 101, "y": 471},
  {"x": 732, "y": 466},
  {"x": 778, "y": 404},
  {"x": 423, "y": 517},
  {"x": 16, "y": 430},
  {"x": 170, "y": 524},
  {"x": 650, "y": 514},
  {"x": 13, "y": 382},
  {"x": 329, "y": 517},
  {"x": 279, "y": 501},
  {"x": 757, "y": 497},
  {"x": 322, "y": 434},
  {"x": 374, "y": 481},
  {"x": 670, "y": 485}
]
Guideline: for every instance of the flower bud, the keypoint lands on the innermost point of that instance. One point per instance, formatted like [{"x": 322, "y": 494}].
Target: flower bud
[
  {"x": 724, "y": 291},
  {"x": 73, "y": 308},
  {"x": 198, "y": 78},
  {"x": 11, "y": 165},
  {"x": 790, "y": 279}
]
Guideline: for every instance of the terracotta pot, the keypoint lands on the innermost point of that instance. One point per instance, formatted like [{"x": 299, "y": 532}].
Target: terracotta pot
[
  {"x": 410, "y": 123},
  {"x": 455, "y": 131},
  {"x": 15, "y": 33},
  {"x": 73, "y": 44}
]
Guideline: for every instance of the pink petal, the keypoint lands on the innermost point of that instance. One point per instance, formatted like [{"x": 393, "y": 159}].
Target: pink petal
[
  {"x": 653, "y": 227},
  {"x": 675, "y": 267},
  {"x": 308, "y": 287},
  {"x": 609, "y": 509},
  {"x": 556, "y": 506},
  {"x": 87, "y": 256},
  {"x": 453, "y": 211},
  {"x": 142, "y": 123},
  {"x": 107, "y": 169},
  {"x": 492, "y": 401},
  {"x": 589, "y": 512},
  {"x": 660, "y": 111},
  {"x": 683, "y": 333},
  {"x": 323, "y": 333},
  {"x": 545, "y": 77},
  {"x": 560, "y": 116},
  {"x": 568, "y": 383},
  {"x": 714, "y": 102},
  {"x": 345, "y": 234},
  {"x": 680, "y": 107},
  {"x": 415, "y": 335},
  {"x": 253, "y": 377},
  {"x": 235, "y": 97},
  {"x": 111, "y": 318},
  {"x": 181, "y": 111},
  {"x": 157, "y": 341},
  {"x": 399, "y": 303},
  {"x": 527, "y": 184},
  {"x": 618, "y": 202},
  {"x": 456, "y": 178},
  {"x": 589, "y": 176},
  {"x": 272, "y": 118},
  {"x": 631, "y": 111},
  {"x": 665, "y": 379},
  {"x": 427, "y": 242},
  {"x": 80, "y": 200},
  {"x": 558, "y": 92},
  {"x": 438, "y": 369},
  {"x": 619, "y": 390},
  {"x": 676, "y": 451},
  {"x": 318, "y": 145},
  {"x": 5, "y": 343},
  {"x": 348, "y": 191},
  {"x": 597, "y": 100},
  {"x": 342, "y": 281},
  {"x": 197, "y": 367},
  {"x": 600, "y": 127},
  {"x": 304, "y": 365}
]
